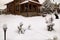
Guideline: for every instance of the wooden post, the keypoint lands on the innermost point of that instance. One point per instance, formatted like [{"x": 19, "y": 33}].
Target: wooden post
[
  {"x": 36, "y": 10},
  {"x": 4, "y": 34},
  {"x": 32, "y": 8},
  {"x": 5, "y": 29},
  {"x": 19, "y": 9},
  {"x": 27, "y": 9},
  {"x": 24, "y": 7}
]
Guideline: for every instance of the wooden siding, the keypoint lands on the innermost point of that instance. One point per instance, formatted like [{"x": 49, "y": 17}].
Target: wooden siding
[{"x": 21, "y": 9}]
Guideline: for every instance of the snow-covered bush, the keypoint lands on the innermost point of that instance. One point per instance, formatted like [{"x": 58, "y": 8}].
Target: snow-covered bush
[
  {"x": 29, "y": 27},
  {"x": 51, "y": 19},
  {"x": 20, "y": 29},
  {"x": 49, "y": 39},
  {"x": 44, "y": 15},
  {"x": 21, "y": 24},
  {"x": 50, "y": 26},
  {"x": 55, "y": 38}
]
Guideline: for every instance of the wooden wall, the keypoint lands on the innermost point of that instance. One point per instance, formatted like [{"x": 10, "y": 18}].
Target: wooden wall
[
  {"x": 15, "y": 8},
  {"x": 10, "y": 8}
]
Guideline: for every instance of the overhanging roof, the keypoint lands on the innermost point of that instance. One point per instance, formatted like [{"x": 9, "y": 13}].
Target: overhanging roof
[
  {"x": 30, "y": 1},
  {"x": 9, "y": 3}
]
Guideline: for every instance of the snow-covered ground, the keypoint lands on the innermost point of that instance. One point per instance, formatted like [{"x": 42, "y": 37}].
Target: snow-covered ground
[{"x": 38, "y": 27}]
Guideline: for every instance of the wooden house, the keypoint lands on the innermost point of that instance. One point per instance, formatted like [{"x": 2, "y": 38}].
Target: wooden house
[{"x": 24, "y": 7}]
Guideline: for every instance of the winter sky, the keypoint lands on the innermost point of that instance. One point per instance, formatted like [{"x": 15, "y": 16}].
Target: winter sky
[{"x": 2, "y": 2}]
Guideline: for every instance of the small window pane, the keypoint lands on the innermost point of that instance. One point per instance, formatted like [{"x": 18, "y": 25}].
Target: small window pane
[{"x": 17, "y": 8}]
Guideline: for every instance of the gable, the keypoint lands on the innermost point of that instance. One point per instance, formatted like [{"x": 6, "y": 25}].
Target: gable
[
  {"x": 19, "y": 0},
  {"x": 36, "y": 0}
]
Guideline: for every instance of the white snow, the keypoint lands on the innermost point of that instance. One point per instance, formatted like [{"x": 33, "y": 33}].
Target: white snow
[
  {"x": 30, "y": 1},
  {"x": 38, "y": 27}
]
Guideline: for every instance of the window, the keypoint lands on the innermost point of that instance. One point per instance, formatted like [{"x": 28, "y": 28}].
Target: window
[
  {"x": 30, "y": 6},
  {"x": 34, "y": 7},
  {"x": 17, "y": 8},
  {"x": 26, "y": 5}
]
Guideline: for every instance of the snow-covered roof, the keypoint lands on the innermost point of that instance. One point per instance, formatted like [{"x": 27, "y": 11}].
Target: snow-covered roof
[{"x": 29, "y": 1}]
